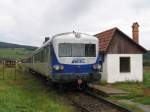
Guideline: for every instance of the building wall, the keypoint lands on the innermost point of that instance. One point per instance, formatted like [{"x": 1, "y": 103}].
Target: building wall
[
  {"x": 104, "y": 72},
  {"x": 121, "y": 44},
  {"x": 111, "y": 68}
]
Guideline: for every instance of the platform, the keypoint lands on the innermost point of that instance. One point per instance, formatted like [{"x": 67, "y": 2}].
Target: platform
[{"x": 107, "y": 90}]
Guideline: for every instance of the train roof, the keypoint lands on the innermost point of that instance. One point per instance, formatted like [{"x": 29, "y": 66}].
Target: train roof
[
  {"x": 67, "y": 33},
  {"x": 61, "y": 34}
]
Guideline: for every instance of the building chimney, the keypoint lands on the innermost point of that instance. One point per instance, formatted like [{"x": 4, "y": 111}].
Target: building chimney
[{"x": 135, "y": 32}]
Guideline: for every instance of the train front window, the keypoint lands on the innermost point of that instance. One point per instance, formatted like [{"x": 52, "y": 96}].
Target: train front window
[
  {"x": 65, "y": 50},
  {"x": 90, "y": 50},
  {"x": 77, "y": 50}
]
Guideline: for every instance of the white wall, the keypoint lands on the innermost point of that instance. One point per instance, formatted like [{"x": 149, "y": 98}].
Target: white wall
[
  {"x": 111, "y": 68},
  {"x": 104, "y": 72}
]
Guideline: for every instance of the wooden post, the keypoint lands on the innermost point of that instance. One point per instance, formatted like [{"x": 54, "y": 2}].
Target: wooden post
[
  {"x": 11, "y": 70},
  {"x": 15, "y": 69},
  {"x": 3, "y": 68}
]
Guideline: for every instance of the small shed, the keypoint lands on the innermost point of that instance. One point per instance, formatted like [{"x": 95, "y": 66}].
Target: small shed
[{"x": 123, "y": 56}]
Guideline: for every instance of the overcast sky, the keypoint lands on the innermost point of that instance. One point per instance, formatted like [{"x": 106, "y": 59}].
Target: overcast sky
[{"x": 29, "y": 21}]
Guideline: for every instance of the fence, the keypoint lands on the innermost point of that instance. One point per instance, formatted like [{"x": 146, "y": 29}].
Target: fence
[{"x": 8, "y": 69}]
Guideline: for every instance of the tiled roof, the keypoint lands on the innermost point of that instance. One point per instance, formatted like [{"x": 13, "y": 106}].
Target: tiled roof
[{"x": 105, "y": 38}]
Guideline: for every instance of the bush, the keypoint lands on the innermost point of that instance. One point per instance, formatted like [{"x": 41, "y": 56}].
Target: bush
[{"x": 146, "y": 62}]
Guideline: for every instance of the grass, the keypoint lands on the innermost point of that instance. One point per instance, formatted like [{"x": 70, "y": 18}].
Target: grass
[
  {"x": 146, "y": 62},
  {"x": 139, "y": 92},
  {"x": 28, "y": 94},
  {"x": 16, "y": 53},
  {"x": 147, "y": 79},
  {"x": 131, "y": 107}
]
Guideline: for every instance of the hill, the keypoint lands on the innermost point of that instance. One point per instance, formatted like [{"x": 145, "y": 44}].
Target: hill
[
  {"x": 9, "y": 50},
  {"x": 10, "y": 45},
  {"x": 15, "y": 51}
]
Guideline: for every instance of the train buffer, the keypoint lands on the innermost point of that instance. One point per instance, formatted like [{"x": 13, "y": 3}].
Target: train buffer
[{"x": 107, "y": 90}]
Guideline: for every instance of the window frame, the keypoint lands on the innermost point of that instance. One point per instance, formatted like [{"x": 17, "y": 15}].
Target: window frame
[
  {"x": 59, "y": 50},
  {"x": 88, "y": 50},
  {"x": 72, "y": 50},
  {"x": 84, "y": 44},
  {"x": 129, "y": 65}
]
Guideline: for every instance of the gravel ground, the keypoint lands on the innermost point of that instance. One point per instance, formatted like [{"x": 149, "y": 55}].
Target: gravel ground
[{"x": 91, "y": 104}]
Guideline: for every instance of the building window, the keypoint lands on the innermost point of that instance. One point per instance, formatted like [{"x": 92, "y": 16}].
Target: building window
[{"x": 124, "y": 64}]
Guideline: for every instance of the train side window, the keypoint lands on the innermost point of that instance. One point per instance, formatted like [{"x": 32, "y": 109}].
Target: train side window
[
  {"x": 46, "y": 49},
  {"x": 42, "y": 55},
  {"x": 35, "y": 58},
  {"x": 38, "y": 57}
]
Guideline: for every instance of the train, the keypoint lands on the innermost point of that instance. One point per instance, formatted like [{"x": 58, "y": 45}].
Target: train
[{"x": 70, "y": 57}]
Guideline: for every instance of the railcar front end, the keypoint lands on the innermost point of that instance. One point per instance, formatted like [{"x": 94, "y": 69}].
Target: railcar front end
[{"x": 75, "y": 57}]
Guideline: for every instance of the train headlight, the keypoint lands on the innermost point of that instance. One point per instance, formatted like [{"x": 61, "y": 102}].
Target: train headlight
[
  {"x": 61, "y": 67},
  {"x": 99, "y": 67},
  {"x": 96, "y": 67},
  {"x": 56, "y": 67}
]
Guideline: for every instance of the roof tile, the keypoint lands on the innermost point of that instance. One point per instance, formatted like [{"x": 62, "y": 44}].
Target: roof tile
[{"x": 105, "y": 38}]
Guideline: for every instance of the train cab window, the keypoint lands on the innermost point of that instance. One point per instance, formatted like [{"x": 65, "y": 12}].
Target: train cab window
[
  {"x": 90, "y": 50},
  {"x": 65, "y": 50},
  {"x": 78, "y": 50}
]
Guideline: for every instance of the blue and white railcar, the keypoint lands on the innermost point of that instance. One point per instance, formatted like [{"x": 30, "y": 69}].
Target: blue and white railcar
[{"x": 68, "y": 57}]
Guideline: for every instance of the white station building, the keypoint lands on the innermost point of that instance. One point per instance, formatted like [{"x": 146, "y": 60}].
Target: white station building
[{"x": 123, "y": 56}]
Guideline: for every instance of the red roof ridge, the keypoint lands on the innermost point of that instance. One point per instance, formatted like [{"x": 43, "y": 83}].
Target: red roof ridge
[
  {"x": 112, "y": 29},
  {"x": 104, "y": 38}
]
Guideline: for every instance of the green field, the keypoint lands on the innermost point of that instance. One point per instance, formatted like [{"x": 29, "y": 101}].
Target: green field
[
  {"x": 16, "y": 53},
  {"x": 138, "y": 92},
  {"x": 28, "y": 94}
]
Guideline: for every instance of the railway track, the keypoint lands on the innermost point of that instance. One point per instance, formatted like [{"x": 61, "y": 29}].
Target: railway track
[{"x": 89, "y": 102}]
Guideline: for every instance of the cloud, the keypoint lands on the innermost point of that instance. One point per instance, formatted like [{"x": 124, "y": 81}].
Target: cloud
[{"x": 28, "y": 21}]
